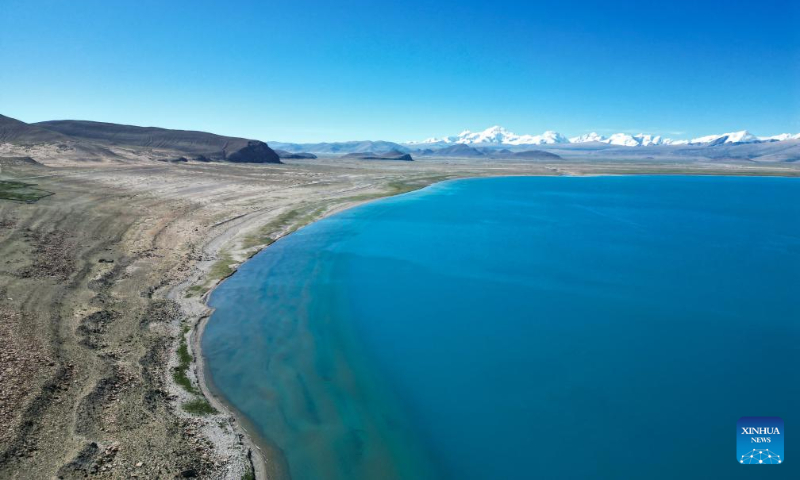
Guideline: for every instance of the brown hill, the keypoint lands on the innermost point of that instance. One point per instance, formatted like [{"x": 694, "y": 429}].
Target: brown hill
[
  {"x": 15, "y": 131},
  {"x": 208, "y": 145}
]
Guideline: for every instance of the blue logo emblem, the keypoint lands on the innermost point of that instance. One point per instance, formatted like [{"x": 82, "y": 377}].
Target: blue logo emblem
[{"x": 759, "y": 441}]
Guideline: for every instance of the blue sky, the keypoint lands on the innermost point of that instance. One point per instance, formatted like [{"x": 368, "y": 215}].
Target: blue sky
[{"x": 300, "y": 70}]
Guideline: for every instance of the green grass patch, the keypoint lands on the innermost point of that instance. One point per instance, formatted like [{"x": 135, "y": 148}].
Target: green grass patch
[
  {"x": 398, "y": 187},
  {"x": 196, "y": 290},
  {"x": 220, "y": 270},
  {"x": 266, "y": 234},
  {"x": 181, "y": 379},
  {"x": 222, "y": 267},
  {"x": 307, "y": 217},
  {"x": 249, "y": 475},
  {"x": 21, "y": 192},
  {"x": 286, "y": 223},
  {"x": 199, "y": 406},
  {"x": 184, "y": 361}
]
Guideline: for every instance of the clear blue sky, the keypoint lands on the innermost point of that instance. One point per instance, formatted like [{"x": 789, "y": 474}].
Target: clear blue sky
[{"x": 299, "y": 70}]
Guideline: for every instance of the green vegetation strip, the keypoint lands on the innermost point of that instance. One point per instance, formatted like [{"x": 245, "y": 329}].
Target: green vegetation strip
[
  {"x": 196, "y": 290},
  {"x": 222, "y": 267},
  {"x": 184, "y": 360},
  {"x": 249, "y": 476},
  {"x": 287, "y": 222},
  {"x": 21, "y": 192},
  {"x": 198, "y": 406},
  {"x": 292, "y": 220},
  {"x": 397, "y": 188}
]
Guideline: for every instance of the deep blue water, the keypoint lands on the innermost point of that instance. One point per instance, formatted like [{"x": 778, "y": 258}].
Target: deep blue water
[{"x": 514, "y": 328}]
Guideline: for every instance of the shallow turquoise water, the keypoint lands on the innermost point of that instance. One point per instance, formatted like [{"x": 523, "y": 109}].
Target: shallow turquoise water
[{"x": 606, "y": 327}]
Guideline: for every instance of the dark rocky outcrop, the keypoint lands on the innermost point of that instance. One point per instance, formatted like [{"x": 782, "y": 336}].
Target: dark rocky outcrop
[
  {"x": 390, "y": 155},
  {"x": 294, "y": 155},
  {"x": 254, "y": 152}
]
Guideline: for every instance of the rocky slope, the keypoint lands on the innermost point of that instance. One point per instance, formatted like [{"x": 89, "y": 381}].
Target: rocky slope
[
  {"x": 99, "y": 135},
  {"x": 15, "y": 131}
]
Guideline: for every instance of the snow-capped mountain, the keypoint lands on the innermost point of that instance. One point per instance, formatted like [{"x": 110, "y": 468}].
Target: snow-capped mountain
[
  {"x": 734, "y": 137},
  {"x": 587, "y": 137},
  {"x": 646, "y": 140},
  {"x": 548, "y": 137},
  {"x": 780, "y": 138},
  {"x": 622, "y": 139},
  {"x": 498, "y": 135}
]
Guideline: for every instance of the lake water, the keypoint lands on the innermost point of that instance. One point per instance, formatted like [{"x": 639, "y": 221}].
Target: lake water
[{"x": 514, "y": 328}]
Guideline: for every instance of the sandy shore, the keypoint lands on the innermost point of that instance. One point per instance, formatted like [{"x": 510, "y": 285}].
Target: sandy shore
[
  {"x": 103, "y": 287},
  {"x": 257, "y": 452}
]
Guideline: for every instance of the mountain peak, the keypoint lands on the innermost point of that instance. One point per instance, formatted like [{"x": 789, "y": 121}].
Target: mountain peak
[
  {"x": 587, "y": 137},
  {"x": 742, "y": 136},
  {"x": 497, "y": 135}
]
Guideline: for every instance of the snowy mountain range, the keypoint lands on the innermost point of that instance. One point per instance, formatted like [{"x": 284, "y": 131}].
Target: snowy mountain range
[{"x": 500, "y": 136}]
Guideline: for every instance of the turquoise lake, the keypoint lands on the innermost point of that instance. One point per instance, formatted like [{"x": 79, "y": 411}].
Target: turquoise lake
[{"x": 515, "y": 328}]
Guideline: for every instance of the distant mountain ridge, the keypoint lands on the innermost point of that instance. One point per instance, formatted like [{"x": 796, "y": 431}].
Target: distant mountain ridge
[
  {"x": 465, "y": 151},
  {"x": 294, "y": 155},
  {"x": 390, "y": 155},
  {"x": 90, "y": 141},
  {"x": 338, "y": 148},
  {"x": 498, "y": 135}
]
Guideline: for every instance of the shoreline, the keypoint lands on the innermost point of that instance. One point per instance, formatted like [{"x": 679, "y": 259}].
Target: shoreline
[
  {"x": 258, "y": 276},
  {"x": 255, "y": 455},
  {"x": 259, "y": 462},
  {"x": 254, "y": 443}
]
